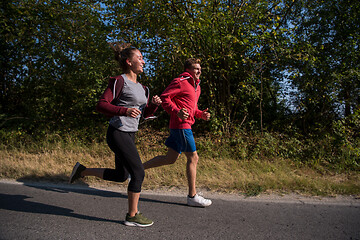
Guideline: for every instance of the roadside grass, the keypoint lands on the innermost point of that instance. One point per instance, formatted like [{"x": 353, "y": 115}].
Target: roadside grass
[{"x": 226, "y": 165}]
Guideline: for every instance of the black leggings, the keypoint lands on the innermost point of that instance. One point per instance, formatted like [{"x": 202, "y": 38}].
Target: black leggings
[{"x": 127, "y": 159}]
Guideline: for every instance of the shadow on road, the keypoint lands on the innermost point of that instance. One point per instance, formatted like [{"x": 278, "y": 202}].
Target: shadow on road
[
  {"x": 19, "y": 203},
  {"x": 26, "y": 204},
  {"x": 83, "y": 188}
]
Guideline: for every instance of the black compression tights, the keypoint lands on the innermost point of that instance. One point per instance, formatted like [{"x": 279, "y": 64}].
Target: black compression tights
[{"x": 127, "y": 159}]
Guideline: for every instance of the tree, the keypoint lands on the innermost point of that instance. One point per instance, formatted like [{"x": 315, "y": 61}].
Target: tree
[
  {"x": 54, "y": 60},
  {"x": 327, "y": 64},
  {"x": 235, "y": 40}
]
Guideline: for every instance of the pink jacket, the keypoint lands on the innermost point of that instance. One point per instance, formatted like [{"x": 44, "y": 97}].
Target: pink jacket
[{"x": 182, "y": 92}]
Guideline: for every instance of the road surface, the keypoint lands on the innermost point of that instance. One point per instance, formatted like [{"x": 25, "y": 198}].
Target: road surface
[{"x": 51, "y": 211}]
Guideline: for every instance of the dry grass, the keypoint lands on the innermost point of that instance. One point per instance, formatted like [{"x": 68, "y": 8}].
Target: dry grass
[{"x": 219, "y": 174}]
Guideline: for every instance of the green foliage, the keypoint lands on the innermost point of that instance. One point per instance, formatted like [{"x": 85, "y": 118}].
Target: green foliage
[
  {"x": 338, "y": 150},
  {"x": 253, "y": 189},
  {"x": 55, "y": 62},
  {"x": 346, "y": 139},
  {"x": 326, "y": 61},
  {"x": 247, "y": 49},
  {"x": 229, "y": 37}
]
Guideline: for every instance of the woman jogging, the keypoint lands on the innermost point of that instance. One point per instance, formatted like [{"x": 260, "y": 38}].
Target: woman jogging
[{"x": 124, "y": 100}]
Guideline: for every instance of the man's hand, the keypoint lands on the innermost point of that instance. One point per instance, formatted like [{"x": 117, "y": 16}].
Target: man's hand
[
  {"x": 133, "y": 112},
  {"x": 156, "y": 100},
  {"x": 183, "y": 114},
  {"x": 205, "y": 115}
]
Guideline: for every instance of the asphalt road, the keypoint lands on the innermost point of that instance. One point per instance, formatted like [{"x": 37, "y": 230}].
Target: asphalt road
[{"x": 44, "y": 211}]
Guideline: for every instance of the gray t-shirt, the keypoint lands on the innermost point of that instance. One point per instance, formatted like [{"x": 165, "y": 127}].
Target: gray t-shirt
[{"x": 132, "y": 96}]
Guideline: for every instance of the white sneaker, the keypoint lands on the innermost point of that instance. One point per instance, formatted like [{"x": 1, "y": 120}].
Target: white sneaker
[{"x": 198, "y": 201}]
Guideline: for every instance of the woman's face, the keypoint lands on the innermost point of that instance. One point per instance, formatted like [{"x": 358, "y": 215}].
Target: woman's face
[{"x": 136, "y": 62}]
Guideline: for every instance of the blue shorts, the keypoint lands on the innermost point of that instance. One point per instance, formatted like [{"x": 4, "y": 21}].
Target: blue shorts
[{"x": 181, "y": 140}]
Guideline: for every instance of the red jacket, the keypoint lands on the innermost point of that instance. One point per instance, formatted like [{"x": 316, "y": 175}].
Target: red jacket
[{"x": 182, "y": 92}]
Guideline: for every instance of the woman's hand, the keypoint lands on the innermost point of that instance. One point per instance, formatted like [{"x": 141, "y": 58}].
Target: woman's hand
[
  {"x": 133, "y": 112},
  {"x": 156, "y": 100}
]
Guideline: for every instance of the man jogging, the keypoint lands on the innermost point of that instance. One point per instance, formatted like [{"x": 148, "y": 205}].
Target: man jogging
[{"x": 180, "y": 100}]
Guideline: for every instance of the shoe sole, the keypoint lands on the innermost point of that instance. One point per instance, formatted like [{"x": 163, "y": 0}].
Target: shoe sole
[
  {"x": 134, "y": 224},
  {"x": 76, "y": 167},
  {"x": 198, "y": 205},
  {"x": 202, "y": 206}
]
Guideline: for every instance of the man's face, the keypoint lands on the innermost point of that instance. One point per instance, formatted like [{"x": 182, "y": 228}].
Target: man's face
[{"x": 195, "y": 71}]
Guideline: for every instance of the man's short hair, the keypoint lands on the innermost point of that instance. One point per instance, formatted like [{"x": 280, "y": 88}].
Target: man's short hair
[{"x": 190, "y": 62}]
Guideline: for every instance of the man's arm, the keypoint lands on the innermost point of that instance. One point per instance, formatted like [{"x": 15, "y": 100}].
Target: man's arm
[{"x": 166, "y": 97}]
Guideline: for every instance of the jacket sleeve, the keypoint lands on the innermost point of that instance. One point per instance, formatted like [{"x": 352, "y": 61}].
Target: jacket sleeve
[
  {"x": 167, "y": 97},
  {"x": 150, "y": 110},
  {"x": 105, "y": 105},
  {"x": 198, "y": 113}
]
